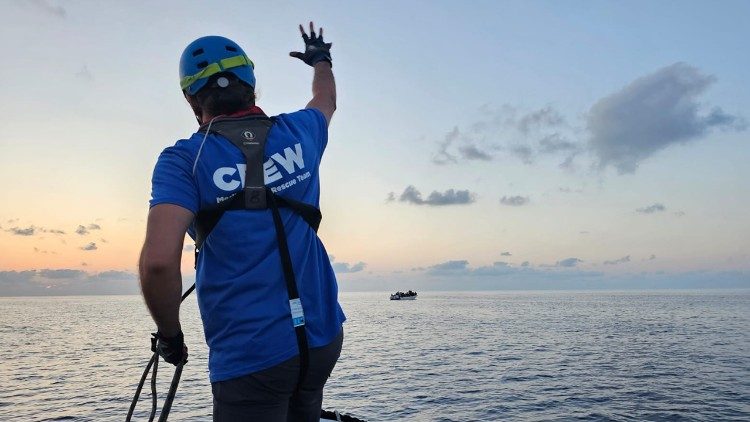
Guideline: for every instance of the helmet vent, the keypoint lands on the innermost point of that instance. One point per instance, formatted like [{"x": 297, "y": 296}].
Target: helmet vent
[
  {"x": 230, "y": 48},
  {"x": 201, "y": 65},
  {"x": 198, "y": 52}
]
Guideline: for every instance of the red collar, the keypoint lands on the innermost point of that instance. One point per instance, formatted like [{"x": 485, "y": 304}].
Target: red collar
[
  {"x": 250, "y": 111},
  {"x": 254, "y": 110}
]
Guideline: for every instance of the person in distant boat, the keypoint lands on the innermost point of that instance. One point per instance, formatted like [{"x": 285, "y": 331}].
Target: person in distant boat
[{"x": 246, "y": 187}]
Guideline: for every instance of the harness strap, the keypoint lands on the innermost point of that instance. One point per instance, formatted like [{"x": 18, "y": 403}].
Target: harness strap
[
  {"x": 250, "y": 137},
  {"x": 309, "y": 213},
  {"x": 208, "y": 218},
  {"x": 295, "y": 305}
]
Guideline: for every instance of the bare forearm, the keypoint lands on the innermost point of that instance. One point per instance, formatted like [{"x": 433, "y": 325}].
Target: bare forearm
[
  {"x": 324, "y": 90},
  {"x": 162, "y": 291},
  {"x": 324, "y": 85},
  {"x": 159, "y": 265}
]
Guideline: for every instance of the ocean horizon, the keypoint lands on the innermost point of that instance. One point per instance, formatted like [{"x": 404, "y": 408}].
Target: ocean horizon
[{"x": 459, "y": 291}]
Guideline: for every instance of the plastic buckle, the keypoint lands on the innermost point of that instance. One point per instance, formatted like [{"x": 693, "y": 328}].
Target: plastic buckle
[
  {"x": 255, "y": 198},
  {"x": 154, "y": 340}
]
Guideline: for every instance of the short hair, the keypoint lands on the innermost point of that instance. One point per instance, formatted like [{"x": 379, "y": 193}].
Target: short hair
[{"x": 216, "y": 100}]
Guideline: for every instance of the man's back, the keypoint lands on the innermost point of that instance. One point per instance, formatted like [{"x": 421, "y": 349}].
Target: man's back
[{"x": 241, "y": 292}]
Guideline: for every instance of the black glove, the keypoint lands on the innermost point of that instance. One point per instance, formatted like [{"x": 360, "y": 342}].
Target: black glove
[
  {"x": 172, "y": 349},
  {"x": 315, "y": 49}
]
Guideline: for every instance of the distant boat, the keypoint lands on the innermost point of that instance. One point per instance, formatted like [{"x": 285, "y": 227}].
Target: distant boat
[{"x": 404, "y": 296}]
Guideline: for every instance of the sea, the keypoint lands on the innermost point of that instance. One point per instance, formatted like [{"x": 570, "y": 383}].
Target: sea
[{"x": 447, "y": 356}]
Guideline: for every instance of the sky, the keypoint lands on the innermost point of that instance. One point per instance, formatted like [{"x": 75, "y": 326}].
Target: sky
[{"x": 481, "y": 145}]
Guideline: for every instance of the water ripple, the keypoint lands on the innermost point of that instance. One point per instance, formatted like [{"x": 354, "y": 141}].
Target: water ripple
[{"x": 445, "y": 357}]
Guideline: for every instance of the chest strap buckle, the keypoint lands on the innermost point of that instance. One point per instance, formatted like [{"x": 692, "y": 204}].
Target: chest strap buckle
[{"x": 255, "y": 198}]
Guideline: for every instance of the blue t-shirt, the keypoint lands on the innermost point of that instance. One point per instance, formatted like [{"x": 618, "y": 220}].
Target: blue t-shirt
[{"x": 241, "y": 290}]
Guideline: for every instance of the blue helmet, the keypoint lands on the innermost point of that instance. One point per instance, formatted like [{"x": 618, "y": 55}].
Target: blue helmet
[{"x": 210, "y": 55}]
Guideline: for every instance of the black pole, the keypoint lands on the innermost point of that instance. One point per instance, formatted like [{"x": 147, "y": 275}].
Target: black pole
[
  {"x": 172, "y": 391},
  {"x": 140, "y": 387},
  {"x": 153, "y": 389},
  {"x": 154, "y": 362}
]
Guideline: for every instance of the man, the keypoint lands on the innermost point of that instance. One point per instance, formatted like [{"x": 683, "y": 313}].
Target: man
[{"x": 260, "y": 367}]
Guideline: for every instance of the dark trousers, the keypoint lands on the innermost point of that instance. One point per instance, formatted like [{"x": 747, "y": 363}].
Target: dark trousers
[{"x": 272, "y": 394}]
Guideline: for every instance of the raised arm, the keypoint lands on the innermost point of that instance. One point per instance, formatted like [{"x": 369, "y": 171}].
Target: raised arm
[
  {"x": 324, "y": 90},
  {"x": 318, "y": 55}
]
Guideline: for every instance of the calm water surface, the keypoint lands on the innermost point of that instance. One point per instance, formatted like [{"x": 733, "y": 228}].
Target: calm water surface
[{"x": 443, "y": 357}]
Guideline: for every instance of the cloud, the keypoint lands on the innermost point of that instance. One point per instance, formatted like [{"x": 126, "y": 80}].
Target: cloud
[
  {"x": 61, "y": 274},
  {"x": 449, "y": 197},
  {"x": 618, "y": 261},
  {"x": 523, "y": 152},
  {"x": 91, "y": 246},
  {"x": 448, "y": 266},
  {"x": 540, "y": 119},
  {"x": 66, "y": 281},
  {"x": 657, "y": 207},
  {"x": 442, "y": 156},
  {"x": 569, "y": 163},
  {"x": 621, "y": 130},
  {"x": 472, "y": 152},
  {"x": 514, "y": 201},
  {"x": 32, "y": 230},
  {"x": 46, "y": 6},
  {"x": 16, "y": 277},
  {"x": 22, "y": 231},
  {"x": 345, "y": 267},
  {"x": 506, "y": 254},
  {"x": 568, "y": 262},
  {"x": 555, "y": 143},
  {"x": 652, "y": 113},
  {"x": 459, "y": 275},
  {"x": 497, "y": 268},
  {"x": 84, "y": 230},
  {"x": 502, "y": 276},
  {"x": 111, "y": 275},
  {"x": 508, "y": 130},
  {"x": 53, "y": 231},
  {"x": 565, "y": 189},
  {"x": 85, "y": 74},
  {"x": 459, "y": 268},
  {"x": 679, "y": 213},
  {"x": 467, "y": 146}
]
